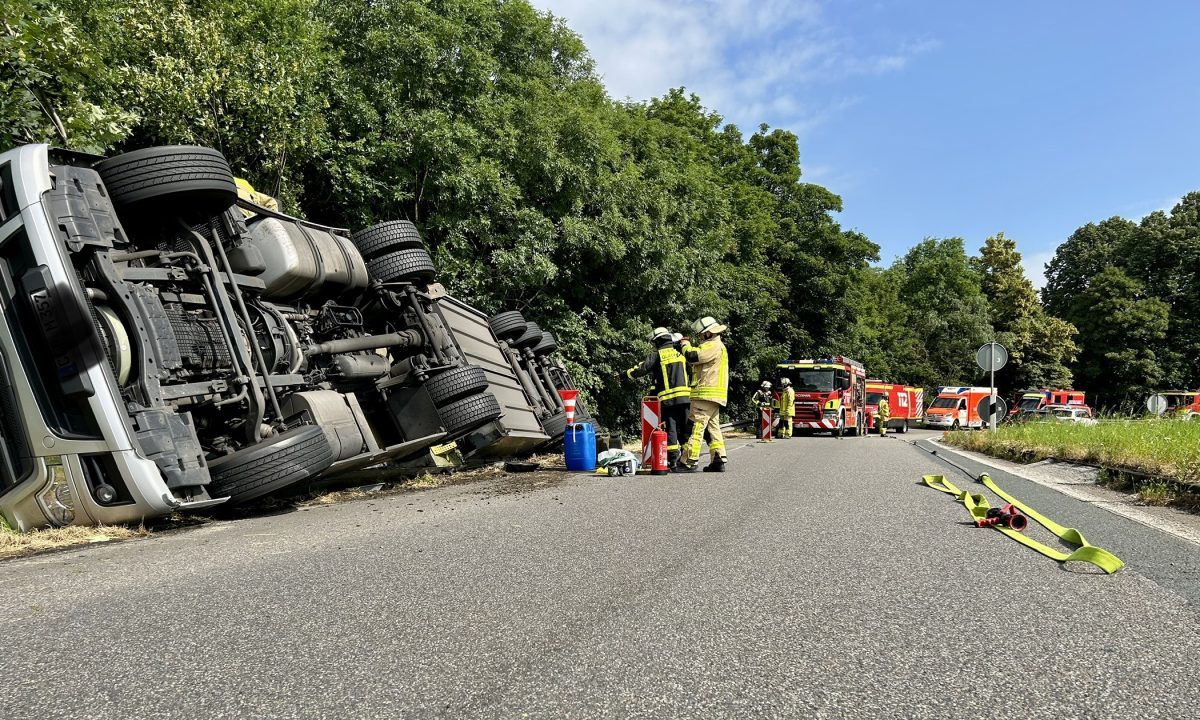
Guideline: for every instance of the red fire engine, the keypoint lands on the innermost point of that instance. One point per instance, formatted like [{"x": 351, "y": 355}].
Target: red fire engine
[
  {"x": 830, "y": 395},
  {"x": 905, "y": 404},
  {"x": 1033, "y": 400}
]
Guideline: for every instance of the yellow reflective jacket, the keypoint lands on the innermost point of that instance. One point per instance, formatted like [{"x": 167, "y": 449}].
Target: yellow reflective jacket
[
  {"x": 787, "y": 402},
  {"x": 710, "y": 370},
  {"x": 669, "y": 369},
  {"x": 885, "y": 410}
]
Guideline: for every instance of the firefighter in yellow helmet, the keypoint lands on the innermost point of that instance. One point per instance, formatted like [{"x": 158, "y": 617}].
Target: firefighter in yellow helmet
[
  {"x": 710, "y": 392},
  {"x": 787, "y": 407},
  {"x": 883, "y": 415},
  {"x": 669, "y": 370}
]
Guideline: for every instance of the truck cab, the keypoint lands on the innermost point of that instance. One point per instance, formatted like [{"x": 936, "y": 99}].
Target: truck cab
[{"x": 830, "y": 395}]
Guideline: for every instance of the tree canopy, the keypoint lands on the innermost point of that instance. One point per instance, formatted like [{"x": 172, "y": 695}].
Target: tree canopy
[{"x": 485, "y": 123}]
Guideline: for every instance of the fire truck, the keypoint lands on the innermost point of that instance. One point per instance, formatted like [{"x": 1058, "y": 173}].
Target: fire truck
[
  {"x": 905, "y": 404},
  {"x": 830, "y": 395},
  {"x": 1182, "y": 403},
  {"x": 1028, "y": 401}
]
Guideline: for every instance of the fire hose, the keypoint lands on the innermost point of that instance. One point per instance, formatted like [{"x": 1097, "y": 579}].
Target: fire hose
[{"x": 987, "y": 516}]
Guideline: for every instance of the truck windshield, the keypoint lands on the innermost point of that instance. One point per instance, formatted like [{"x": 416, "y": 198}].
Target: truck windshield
[
  {"x": 945, "y": 403},
  {"x": 813, "y": 380},
  {"x": 1030, "y": 404},
  {"x": 873, "y": 398},
  {"x": 1179, "y": 399}
]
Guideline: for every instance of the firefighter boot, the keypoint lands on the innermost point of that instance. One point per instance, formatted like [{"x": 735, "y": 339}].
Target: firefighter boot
[{"x": 717, "y": 465}]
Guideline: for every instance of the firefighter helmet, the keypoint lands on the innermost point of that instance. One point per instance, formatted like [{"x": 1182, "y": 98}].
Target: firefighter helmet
[
  {"x": 786, "y": 382},
  {"x": 659, "y": 332},
  {"x": 707, "y": 324},
  {"x": 766, "y": 384}
]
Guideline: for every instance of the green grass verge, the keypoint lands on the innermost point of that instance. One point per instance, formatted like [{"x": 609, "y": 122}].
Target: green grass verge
[{"x": 1165, "y": 448}]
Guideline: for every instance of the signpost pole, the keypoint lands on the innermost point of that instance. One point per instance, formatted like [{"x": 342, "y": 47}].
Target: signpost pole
[{"x": 992, "y": 394}]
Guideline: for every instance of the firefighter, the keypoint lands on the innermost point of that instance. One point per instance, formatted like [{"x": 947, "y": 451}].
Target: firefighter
[
  {"x": 670, "y": 385},
  {"x": 883, "y": 415},
  {"x": 787, "y": 407},
  {"x": 710, "y": 392},
  {"x": 761, "y": 399}
]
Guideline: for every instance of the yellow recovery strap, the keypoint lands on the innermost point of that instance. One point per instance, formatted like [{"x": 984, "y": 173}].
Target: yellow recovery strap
[{"x": 977, "y": 505}]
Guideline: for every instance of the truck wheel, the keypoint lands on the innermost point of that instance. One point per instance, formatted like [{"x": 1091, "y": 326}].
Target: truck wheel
[
  {"x": 547, "y": 346},
  {"x": 412, "y": 265},
  {"x": 456, "y": 384},
  {"x": 462, "y": 416},
  {"x": 179, "y": 178},
  {"x": 508, "y": 325},
  {"x": 955, "y": 426},
  {"x": 271, "y": 465},
  {"x": 841, "y": 427},
  {"x": 388, "y": 237},
  {"x": 531, "y": 337},
  {"x": 904, "y": 427},
  {"x": 555, "y": 426}
]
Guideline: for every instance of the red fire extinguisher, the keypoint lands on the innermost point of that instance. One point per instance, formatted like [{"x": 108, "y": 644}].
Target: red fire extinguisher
[{"x": 658, "y": 452}]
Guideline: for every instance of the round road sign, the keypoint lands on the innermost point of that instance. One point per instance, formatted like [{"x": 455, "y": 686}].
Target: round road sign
[
  {"x": 991, "y": 357},
  {"x": 1156, "y": 404},
  {"x": 982, "y": 408}
]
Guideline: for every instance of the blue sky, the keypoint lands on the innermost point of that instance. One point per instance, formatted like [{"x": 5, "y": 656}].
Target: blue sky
[{"x": 937, "y": 118}]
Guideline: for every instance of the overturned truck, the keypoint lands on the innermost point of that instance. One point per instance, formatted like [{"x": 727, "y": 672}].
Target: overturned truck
[{"x": 167, "y": 345}]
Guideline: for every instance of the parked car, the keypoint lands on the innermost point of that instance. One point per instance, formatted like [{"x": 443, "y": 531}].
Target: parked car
[
  {"x": 1066, "y": 413},
  {"x": 169, "y": 346}
]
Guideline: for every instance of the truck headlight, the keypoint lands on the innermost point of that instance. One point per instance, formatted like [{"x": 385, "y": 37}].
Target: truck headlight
[{"x": 56, "y": 499}]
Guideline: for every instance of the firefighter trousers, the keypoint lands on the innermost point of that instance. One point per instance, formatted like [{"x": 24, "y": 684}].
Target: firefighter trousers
[
  {"x": 675, "y": 418},
  {"x": 785, "y": 426},
  {"x": 706, "y": 416}
]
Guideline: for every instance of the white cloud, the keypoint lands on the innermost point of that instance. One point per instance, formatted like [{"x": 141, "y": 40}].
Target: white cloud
[{"x": 750, "y": 60}]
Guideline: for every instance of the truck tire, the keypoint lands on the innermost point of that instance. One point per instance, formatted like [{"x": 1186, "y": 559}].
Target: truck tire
[
  {"x": 184, "y": 179},
  {"x": 508, "y": 325},
  {"x": 531, "y": 337},
  {"x": 555, "y": 426},
  {"x": 904, "y": 427},
  {"x": 841, "y": 427},
  {"x": 387, "y": 237},
  {"x": 456, "y": 384},
  {"x": 547, "y": 346},
  {"x": 270, "y": 466},
  {"x": 412, "y": 265},
  {"x": 462, "y": 416},
  {"x": 955, "y": 426}
]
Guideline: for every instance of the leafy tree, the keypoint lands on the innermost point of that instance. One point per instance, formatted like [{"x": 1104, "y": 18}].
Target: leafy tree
[
  {"x": 1121, "y": 326},
  {"x": 1089, "y": 250},
  {"x": 947, "y": 311},
  {"x": 49, "y": 81},
  {"x": 1040, "y": 346}
]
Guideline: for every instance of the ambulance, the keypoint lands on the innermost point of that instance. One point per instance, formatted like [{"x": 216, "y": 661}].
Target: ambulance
[
  {"x": 955, "y": 408},
  {"x": 905, "y": 404}
]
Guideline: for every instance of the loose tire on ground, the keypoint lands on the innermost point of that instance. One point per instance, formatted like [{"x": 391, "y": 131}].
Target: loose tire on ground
[
  {"x": 508, "y": 325},
  {"x": 270, "y": 466},
  {"x": 403, "y": 266},
  {"x": 462, "y": 416},
  {"x": 182, "y": 179},
  {"x": 531, "y": 337},
  {"x": 456, "y": 384},
  {"x": 547, "y": 345},
  {"x": 387, "y": 237}
]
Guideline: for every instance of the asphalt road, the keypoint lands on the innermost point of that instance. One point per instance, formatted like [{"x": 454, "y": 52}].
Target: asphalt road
[{"x": 815, "y": 579}]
